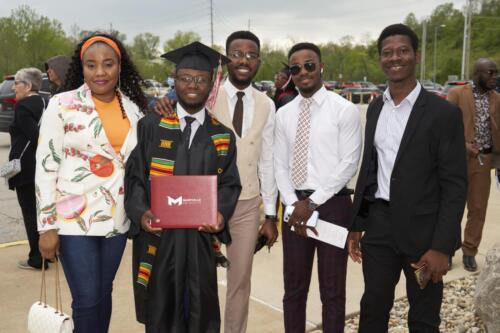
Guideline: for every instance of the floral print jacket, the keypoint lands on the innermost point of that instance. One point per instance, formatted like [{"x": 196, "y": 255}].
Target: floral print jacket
[{"x": 79, "y": 177}]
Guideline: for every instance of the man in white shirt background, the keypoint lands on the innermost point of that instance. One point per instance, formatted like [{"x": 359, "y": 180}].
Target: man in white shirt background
[{"x": 316, "y": 151}]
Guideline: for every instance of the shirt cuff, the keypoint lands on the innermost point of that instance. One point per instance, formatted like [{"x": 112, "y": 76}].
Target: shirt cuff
[
  {"x": 289, "y": 198},
  {"x": 270, "y": 209},
  {"x": 319, "y": 197},
  {"x": 46, "y": 228}
]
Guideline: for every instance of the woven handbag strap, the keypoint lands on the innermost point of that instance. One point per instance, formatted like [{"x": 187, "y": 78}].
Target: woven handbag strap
[
  {"x": 43, "y": 289},
  {"x": 39, "y": 121},
  {"x": 58, "y": 290}
]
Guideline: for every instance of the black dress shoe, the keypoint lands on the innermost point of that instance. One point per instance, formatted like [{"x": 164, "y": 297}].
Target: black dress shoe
[{"x": 470, "y": 263}]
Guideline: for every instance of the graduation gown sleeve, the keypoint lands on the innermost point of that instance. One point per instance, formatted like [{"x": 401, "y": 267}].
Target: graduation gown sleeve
[
  {"x": 229, "y": 187},
  {"x": 137, "y": 191}
]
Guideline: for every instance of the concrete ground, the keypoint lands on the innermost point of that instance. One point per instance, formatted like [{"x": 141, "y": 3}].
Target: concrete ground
[{"x": 20, "y": 288}]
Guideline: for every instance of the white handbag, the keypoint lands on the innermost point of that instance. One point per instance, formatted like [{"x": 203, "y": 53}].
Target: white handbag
[
  {"x": 13, "y": 167},
  {"x": 42, "y": 317}
]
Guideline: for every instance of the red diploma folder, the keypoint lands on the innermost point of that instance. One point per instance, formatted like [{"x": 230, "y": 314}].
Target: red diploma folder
[{"x": 184, "y": 202}]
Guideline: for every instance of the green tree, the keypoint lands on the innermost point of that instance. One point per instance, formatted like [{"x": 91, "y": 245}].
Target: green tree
[
  {"x": 180, "y": 39},
  {"x": 28, "y": 39}
]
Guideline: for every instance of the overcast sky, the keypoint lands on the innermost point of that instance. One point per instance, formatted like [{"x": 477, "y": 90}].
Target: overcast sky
[{"x": 278, "y": 22}]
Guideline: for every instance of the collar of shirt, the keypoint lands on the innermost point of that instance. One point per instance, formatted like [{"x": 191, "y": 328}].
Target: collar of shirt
[
  {"x": 231, "y": 90},
  {"x": 198, "y": 116},
  {"x": 478, "y": 92},
  {"x": 318, "y": 97},
  {"x": 411, "y": 98}
]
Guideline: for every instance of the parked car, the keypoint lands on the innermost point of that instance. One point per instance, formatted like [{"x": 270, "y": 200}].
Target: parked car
[
  {"x": 360, "y": 95},
  {"x": 266, "y": 85},
  {"x": 350, "y": 84},
  {"x": 437, "y": 92},
  {"x": 257, "y": 85},
  {"x": 382, "y": 86},
  {"x": 450, "y": 84},
  {"x": 8, "y": 99},
  {"x": 151, "y": 88},
  {"x": 430, "y": 85},
  {"x": 331, "y": 85}
]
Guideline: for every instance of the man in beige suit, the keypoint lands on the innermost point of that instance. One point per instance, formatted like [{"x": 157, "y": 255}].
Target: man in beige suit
[
  {"x": 250, "y": 114},
  {"x": 480, "y": 105}
]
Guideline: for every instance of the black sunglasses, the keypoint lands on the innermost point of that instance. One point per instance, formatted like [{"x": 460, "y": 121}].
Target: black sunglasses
[{"x": 309, "y": 66}]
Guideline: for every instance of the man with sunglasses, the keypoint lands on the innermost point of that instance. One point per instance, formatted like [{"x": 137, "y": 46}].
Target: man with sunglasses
[
  {"x": 316, "y": 152},
  {"x": 480, "y": 105}
]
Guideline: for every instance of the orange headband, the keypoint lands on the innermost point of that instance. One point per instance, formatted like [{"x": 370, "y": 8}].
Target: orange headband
[{"x": 96, "y": 39}]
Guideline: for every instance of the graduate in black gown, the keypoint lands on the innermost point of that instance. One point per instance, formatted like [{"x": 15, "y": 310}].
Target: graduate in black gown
[{"x": 175, "y": 278}]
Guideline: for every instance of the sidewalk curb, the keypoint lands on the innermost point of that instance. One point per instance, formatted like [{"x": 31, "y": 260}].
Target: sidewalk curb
[{"x": 9, "y": 244}]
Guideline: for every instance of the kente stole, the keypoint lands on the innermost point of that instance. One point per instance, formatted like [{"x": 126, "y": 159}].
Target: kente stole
[{"x": 163, "y": 156}]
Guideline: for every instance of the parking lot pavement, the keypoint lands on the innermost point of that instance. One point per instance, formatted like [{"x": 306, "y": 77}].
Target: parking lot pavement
[{"x": 20, "y": 288}]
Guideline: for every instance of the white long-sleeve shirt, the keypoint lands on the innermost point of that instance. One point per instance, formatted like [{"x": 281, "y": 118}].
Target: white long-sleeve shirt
[
  {"x": 265, "y": 167},
  {"x": 334, "y": 146},
  {"x": 390, "y": 128}
]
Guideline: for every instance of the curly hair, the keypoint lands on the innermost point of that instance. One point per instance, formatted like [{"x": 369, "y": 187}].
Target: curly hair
[{"x": 129, "y": 76}]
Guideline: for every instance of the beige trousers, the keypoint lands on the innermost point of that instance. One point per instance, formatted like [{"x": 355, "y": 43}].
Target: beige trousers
[
  {"x": 244, "y": 228},
  {"x": 479, "y": 177}
]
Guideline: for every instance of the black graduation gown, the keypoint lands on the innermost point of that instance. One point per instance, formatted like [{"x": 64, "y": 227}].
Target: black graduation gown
[{"x": 183, "y": 274}]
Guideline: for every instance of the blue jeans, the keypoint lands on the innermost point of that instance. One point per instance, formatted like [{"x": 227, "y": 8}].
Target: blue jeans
[{"x": 90, "y": 264}]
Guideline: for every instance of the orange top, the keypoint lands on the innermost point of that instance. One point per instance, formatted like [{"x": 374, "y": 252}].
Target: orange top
[{"x": 115, "y": 127}]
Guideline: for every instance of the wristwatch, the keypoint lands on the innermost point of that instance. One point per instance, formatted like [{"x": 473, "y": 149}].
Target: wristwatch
[
  {"x": 311, "y": 205},
  {"x": 271, "y": 217}
]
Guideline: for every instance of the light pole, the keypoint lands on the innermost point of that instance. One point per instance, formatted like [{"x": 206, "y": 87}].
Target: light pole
[{"x": 435, "y": 51}]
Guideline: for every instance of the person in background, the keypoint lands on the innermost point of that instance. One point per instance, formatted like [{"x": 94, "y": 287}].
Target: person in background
[
  {"x": 316, "y": 152},
  {"x": 24, "y": 139},
  {"x": 86, "y": 136},
  {"x": 285, "y": 88},
  {"x": 56, "y": 68},
  {"x": 480, "y": 105}
]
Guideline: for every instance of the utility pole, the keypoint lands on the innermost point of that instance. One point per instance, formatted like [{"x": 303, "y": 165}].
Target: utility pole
[
  {"x": 469, "y": 35},
  {"x": 464, "y": 75},
  {"x": 434, "y": 62},
  {"x": 424, "y": 43},
  {"x": 212, "y": 22}
]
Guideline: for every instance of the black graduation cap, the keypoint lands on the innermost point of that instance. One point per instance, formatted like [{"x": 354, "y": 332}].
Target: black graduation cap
[{"x": 196, "y": 56}]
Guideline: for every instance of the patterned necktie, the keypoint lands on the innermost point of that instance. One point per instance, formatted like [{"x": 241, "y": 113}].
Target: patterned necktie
[
  {"x": 238, "y": 113},
  {"x": 300, "y": 150}
]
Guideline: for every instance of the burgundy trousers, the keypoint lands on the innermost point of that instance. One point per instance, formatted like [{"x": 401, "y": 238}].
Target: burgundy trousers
[{"x": 298, "y": 256}]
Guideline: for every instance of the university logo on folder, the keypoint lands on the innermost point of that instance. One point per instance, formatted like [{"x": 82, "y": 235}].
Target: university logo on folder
[{"x": 184, "y": 201}]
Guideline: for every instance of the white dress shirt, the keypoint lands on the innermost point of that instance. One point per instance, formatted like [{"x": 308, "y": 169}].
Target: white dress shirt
[
  {"x": 334, "y": 146},
  {"x": 199, "y": 119},
  {"x": 390, "y": 128},
  {"x": 265, "y": 167}
]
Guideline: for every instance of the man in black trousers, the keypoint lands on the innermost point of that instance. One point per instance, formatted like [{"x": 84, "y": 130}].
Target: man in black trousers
[{"x": 411, "y": 190}]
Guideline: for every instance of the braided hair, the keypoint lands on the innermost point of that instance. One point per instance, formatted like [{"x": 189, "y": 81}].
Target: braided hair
[{"x": 129, "y": 79}]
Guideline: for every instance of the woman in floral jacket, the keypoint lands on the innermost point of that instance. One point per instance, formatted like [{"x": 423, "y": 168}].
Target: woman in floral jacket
[{"x": 86, "y": 136}]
